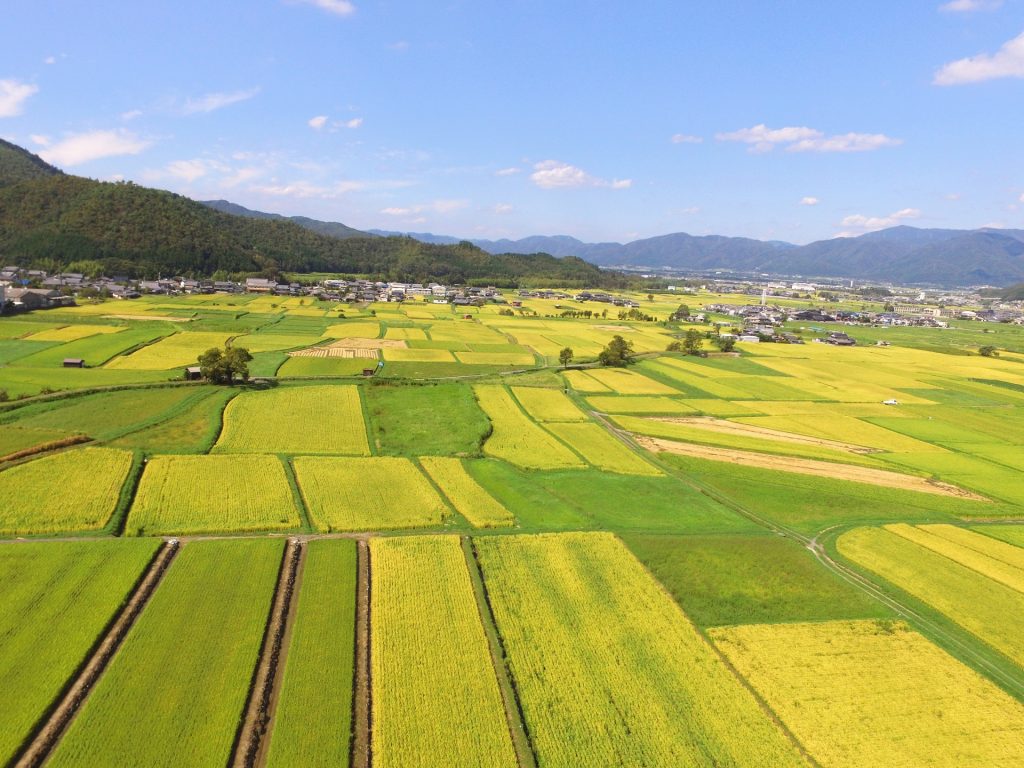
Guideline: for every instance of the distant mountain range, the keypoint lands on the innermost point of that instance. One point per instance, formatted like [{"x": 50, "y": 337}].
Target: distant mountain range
[{"x": 945, "y": 257}]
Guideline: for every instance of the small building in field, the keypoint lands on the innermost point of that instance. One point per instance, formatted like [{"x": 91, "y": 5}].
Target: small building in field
[
  {"x": 193, "y": 373},
  {"x": 74, "y": 362}
]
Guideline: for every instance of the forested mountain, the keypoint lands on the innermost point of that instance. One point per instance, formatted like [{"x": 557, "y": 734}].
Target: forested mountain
[
  {"x": 52, "y": 220},
  {"x": 329, "y": 228}
]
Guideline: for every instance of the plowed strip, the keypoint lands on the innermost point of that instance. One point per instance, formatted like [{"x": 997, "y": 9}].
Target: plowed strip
[
  {"x": 48, "y": 736},
  {"x": 361, "y": 723},
  {"x": 258, "y": 711},
  {"x": 808, "y": 467}
]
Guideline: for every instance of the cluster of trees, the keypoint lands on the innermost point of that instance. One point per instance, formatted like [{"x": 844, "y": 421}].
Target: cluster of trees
[{"x": 221, "y": 366}]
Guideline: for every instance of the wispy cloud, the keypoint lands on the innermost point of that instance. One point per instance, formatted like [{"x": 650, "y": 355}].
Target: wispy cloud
[
  {"x": 187, "y": 170},
  {"x": 337, "y": 7},
  {"x": 552, "y": 174},
  {"x": 809, "y": 201},
  {"x": 969, "y": 6},
  {"x": 858, "y": 224},
  {"x": 13, "y": 95},
  {"x": 83, "y": 147},
  {"x": 214, "y": 101},
  {"x": 761, "y": 138},
  {"x": 50, "y": 60},
  {"x": 318, "y": 122},
  {"x": 354, "y": 123},
  {"x": 508, "y": 171},
  {"x": 685, "y": 138},
  {"x": 131, "y": 114},
  {"x": 442, "y": 206},
  {"x": 502, "y": 208},
  {"x": 1008, "y": 61},
  {"x": 40, "y": 139}
]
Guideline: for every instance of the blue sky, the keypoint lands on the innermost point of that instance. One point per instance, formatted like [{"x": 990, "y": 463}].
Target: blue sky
[{"x": 793, "y": 120}]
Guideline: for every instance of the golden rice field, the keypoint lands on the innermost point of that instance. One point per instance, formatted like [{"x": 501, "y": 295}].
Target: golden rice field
[
  {"x": 626, "y": 382},
  {"x": 360, "y": 329},
  {"x": 581, "y": 381},
  {"x": 985, "y": 608},
  {"x": 407, "y": 334},
  {"x": 203, "y": 494},
  {"x": 516, "y": 438},
  {"x": 377, "y": 493},
  {"x": 969, "y": 551},
  {"x": 303, "y": 419},
  {"x": 496, "y": 358},
  {"x": 74, "y": 490},
  {"x": 273, "y": 342},
  {"x": 466, "y": 495},
  {"x": 640, "y": 404},
  {"x": 73, "y": 332},
  {"x": 858, "y": 693},
  {"x": 548, "y": 404},
  {"x": 435, "y": 695},
  {"x": 602, "y": 450},
  {"x": 417, "y": 355},
  {"x": 608, "y": 668},
  {"x": 174, "y": 351}
]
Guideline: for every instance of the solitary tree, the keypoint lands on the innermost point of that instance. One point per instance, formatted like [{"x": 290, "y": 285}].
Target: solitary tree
[
  {"x": 674, "y": 346},
  {"x": 619, "y": 353},
  {"x": 988, "y": 351},
  {"x": 565, "y": 356},
  {"x": 221, "y": 367},
  {"x": 683, "y": 311},
  {"x": 692, "y": 342},
  {"x": 725, "y": 343}
]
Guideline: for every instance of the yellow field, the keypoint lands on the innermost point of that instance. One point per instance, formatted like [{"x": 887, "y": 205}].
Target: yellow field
[
  {"x": 548, "y": 404},
  {"x": 639, "y": 404},
  {"x": 418, "y": 355},
  {"x": 516, "y": 438},
  {"x": 843, "y": 428},
  {"x": 369, "y": 494},
  {"x": 629, "y": 383},
  {"x": 73, "y": 332},
  {"x": 466, "y": 495},
  {"x": 69, "y": 491},
  {"x": 987, "y": 609},
  {"x": 496, "y": 358},
  {"x": 175, "y": 351},
  {"x": 273, "y": 342},
  {"x": 202, "y": 494},
  {"x": 968, "y": 549},
  {"x": 609, "y": 670},
  {"x": 602, "y": 450},
  {"x": 582, "y": 382},
  {"x": 862, "y": 693},
  {"x": 313, "y": 419},
  {"x": 407, "y": 334},
  {"x": 435, "y": 696}
]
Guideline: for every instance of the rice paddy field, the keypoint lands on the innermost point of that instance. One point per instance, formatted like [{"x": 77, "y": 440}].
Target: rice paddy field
[{"x": 747, "y": 559}]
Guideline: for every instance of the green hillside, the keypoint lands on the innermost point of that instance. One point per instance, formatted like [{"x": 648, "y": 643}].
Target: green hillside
[{"x": 51, "y": 220}]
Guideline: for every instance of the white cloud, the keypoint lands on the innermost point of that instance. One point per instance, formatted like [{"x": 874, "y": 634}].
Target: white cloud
[
  {"x": 847, "y": 142},
  {"x": 83, "y": 147},
  {"x": 809, "y": 201},
  {"x": 761, "y": 138},
  {"x": 355, "y": 122},
  {"x": 338, "y": 7},
  {"x": 683, "y": 138},
  {"x": 969, "y": 6},
  {"x": 1008, "y": 61},
  {"x": 318, "y": 122},
  {"x": 503, "y": 208},
  {"x": 241, "y": 175},
  {"x": 507, "y": 171},
  {"x": 214, "y": 101},
  {"x": 863, "y": 223},
  {"x": 187, "y": 170},
  {"x": 13, "y": 95},
  {"x": 552, "y": 174},
  {"x": 394, "y": 211},
  {"x": 40, "y": 139},
  {"x": 50, "y": 60},
  {"x": 437, "y": 206},
  {"x": 1021, "y": 198},
  {"x": 131, "y": 114},
  {"x": 691, "y": 210},
  {"x": 953, "y": 196}
]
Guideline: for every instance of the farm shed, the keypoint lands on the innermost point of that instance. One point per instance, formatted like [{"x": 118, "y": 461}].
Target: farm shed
[
  {"x": 74, "y": 362},
  {"x": 193, "y": 373}
]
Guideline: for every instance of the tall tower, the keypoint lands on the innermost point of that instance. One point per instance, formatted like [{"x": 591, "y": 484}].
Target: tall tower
[{"x": 764, "y": 296}]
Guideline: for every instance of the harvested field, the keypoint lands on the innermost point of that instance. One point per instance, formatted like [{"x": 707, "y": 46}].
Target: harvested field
[
  {"x": 435, "y": 698},
  {"x": 808, "y": 467},
  {"x": 336, "y": 351},
  {"x": 876, "y": 693}
]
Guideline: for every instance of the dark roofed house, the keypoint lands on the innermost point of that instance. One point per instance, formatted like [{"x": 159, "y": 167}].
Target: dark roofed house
[
  {"x": 193, "y": 373},
  {"x": 74, "y": 362}
]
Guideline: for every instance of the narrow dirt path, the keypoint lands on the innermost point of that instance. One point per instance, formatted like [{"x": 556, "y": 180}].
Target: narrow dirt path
[
  {"x": 258, "y": 711},
  {"x": 50, "y": 733},
  {"x": 362, "y": 703},
  {"x": 510, "y": 698}
]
